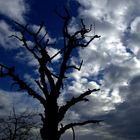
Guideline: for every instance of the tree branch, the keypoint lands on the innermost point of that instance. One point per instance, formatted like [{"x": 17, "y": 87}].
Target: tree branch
[
  {"x": 63, "y": 109},
  {"x": 40, "y": 28},
  {"x": 21, "y": 83},
  {"x": 83, "y": 45},
  {"x": 70, "y": 43},
  {"x": 71, "y": 125},
  {"x": 41, "y": 56},
  {"x": 75, "y": 67},
  {"x": 63, "y": 69}
]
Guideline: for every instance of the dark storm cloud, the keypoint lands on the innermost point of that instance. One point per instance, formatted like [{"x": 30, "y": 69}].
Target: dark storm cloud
[{"x": 124, "y": 120}]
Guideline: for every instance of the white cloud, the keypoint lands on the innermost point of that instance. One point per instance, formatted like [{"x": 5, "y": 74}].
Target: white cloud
[
  {"x": 20, "y": 100},
  {"x": 6, "y": 41},
  {"x": 26, "y": 57},
  {"x": 15, "y": 9},
  {"x": 113, "y": 61},
  {"x": 135, "y": 25},
  {"x": 52, "y": 52},
  {"x": 109, "y": 55}
]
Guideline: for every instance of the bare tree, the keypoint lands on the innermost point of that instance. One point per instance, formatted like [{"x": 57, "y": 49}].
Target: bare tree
[
  {"x": 18, "y": 126},
  {"x": 52, "y": 87}
]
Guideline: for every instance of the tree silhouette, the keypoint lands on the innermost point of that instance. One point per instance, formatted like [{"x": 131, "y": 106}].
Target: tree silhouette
[
  {"x": 50, "y": 83},
  {"x": 18, "y": 126}
]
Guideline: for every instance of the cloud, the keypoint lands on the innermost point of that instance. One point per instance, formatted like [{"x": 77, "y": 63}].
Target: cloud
[
  {"x": 15, "y": 9},
  {"x": 109, "y": 55},
  {"x": 113, "y": 63},
  {"x": 10, "y": 99},
  {"x": 6, "y": 41},
  {"x": 10, "y": 43},
  {"x": 123, "y": 122},
  {"x": 25, "y": 56}
]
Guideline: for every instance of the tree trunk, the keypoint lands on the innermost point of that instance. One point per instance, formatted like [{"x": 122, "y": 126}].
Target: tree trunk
[{"x": 49, "y": 131}]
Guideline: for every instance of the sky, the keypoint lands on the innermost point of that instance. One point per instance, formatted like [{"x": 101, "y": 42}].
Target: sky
[{"x": 111, "y": 63}]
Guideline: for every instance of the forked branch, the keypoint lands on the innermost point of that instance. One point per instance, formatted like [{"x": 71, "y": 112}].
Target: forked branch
[
  {"x": 40, "y": 54},
  {"x": 75, "y": 67},
  {"x": 63, "y": 109}
]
